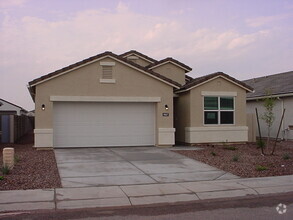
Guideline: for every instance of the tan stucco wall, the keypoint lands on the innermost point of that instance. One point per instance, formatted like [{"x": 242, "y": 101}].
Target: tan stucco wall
[
  {"x": 182, "y": 115},
  {"x": 85, "y": 81},
  {"x": 191, "y": 128},
  {"x": 217, "y": 85},
  {"x": 172, "y": 72}
]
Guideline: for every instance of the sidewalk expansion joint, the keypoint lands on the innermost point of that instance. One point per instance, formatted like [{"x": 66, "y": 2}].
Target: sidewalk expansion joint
[
  {"x": 136, "y": 167},
  {"x": 128, "y": 197},
  {"x": 55, "y": 199},
  {"x": 249, "y": 188}
]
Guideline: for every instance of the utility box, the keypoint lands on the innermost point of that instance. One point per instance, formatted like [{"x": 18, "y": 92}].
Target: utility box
[{"x": 8, "y": 157}]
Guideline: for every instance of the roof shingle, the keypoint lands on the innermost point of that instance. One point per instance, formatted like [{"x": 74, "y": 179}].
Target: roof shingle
[
  {"x": 139, "y": 54},
  {"x": 169, "y": 59},
  {"x": 277, "y": 84},
  {"x": 202, "y": 79},
  {"x": 107, "y": 53}
]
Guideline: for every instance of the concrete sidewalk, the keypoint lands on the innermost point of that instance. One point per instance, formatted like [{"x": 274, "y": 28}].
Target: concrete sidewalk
[{"x": 131, "y": 195}]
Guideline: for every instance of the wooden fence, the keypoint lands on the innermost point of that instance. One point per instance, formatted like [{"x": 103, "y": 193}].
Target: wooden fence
[{"x": 13, "y": 127}]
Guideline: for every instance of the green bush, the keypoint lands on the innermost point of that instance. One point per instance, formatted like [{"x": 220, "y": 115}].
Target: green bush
[
  {"x": 230, "y": 148},
  {"x": 286, "y": 156},
  {"x": 5, "y": 170},
  {"x": 261, "y": 168},
  {"x": 235, "y": 158},
  {"x": 213, "y": 153},
  {"x": 260, "y": 144},
  {"x": 16, "y": 159},
  {"x": 1, "y": 177}
]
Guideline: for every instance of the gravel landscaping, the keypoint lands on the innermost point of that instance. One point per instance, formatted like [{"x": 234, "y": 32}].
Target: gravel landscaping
[
  {"x": 37, "y": 169},
  {"x": 245, "y": 160},
  {"x": 34, "y": 169}
]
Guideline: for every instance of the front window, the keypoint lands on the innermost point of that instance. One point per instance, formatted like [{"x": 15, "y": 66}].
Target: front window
[{"x": 218, "y": 110}]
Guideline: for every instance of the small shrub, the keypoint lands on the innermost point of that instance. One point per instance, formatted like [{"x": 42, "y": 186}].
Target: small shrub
[
  {"x": 260, "y": 144},
  {"x": 261, "y": 168},
  {"x": 230, "y": 148},
  {"x": 5, "y": 170},
  {"x": 16, "y": 158},
  {"x": 213, "y": 153},
  {"x": 286, "y": 156},
  {"x": 235, "y": 158},
  {"x": 1, "y": 177}
]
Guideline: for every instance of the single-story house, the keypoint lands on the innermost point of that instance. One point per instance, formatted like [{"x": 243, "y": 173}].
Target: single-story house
[
  {"x": 134, "y": 100},
  {"x": 279, "y": 86}
]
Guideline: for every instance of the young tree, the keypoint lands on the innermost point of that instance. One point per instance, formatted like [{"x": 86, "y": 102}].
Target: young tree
[{"x": 268, "y": 116}]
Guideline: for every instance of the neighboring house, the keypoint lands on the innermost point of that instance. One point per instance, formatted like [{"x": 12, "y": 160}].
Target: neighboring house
[
  {"x": 130, "y": 99},
  {"x": 8, "y": 108},
  {"x": 14, "y": 122},
  {"x": 279, "y": 86}
]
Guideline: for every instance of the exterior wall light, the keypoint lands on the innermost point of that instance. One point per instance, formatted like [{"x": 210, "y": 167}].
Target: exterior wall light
[
  {"x": 43, "y": 107},
  {"x": 166, "y": 107}
]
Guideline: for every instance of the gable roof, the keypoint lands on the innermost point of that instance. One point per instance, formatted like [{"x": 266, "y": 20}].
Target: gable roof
[
  {"x": 95, "y": 58},
  {"x": 169, "y": 60},
  {"x": 204, "y": 79},
  {"x": 143, "y": 56},
  {"x": 188, "y": 78},
  {"x": 3, "y": 100},
  {"x": 280, "y": 84}
]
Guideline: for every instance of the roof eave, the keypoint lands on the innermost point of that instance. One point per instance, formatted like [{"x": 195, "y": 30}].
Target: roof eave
[
  {"x": 37, "y": 81},
  {"x": 141, "y": 55},
  {"x": 274, "y": 96},
  {"x": 169, "y": 61},
  {"x": 131, "y": 54},
  {"x": 248, "y": 89}
]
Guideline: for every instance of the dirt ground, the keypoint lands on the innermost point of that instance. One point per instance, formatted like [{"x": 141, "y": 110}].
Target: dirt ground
[
  {"x": 34, "y": 169},
  {"x": 245, "y": 160}
]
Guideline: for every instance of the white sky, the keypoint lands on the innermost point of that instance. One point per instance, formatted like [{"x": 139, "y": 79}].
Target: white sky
[{"x": 244, "y": 39}]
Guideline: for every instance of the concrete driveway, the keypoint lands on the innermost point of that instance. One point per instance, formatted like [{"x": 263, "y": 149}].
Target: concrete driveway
[{"x": 84, "y": 167}]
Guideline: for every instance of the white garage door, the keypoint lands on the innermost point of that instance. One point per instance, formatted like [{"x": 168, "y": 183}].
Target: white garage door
[{"x": 103, "y": 124}]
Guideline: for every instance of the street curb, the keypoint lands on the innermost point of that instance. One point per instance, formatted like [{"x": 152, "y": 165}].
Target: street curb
[{"x": 142, "y": 195}]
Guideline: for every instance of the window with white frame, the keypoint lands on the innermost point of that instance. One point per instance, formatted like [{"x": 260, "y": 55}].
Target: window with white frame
[{"x": 218, "y": 110}]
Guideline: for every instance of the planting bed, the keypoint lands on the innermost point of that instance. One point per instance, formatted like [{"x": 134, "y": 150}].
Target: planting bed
[
  {"x": 245, "y": 160},
  {"x": 34, "y": 169}
]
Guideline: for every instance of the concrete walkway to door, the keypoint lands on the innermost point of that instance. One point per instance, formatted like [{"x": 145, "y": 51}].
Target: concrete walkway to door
[{"x": 86, "y": 167}]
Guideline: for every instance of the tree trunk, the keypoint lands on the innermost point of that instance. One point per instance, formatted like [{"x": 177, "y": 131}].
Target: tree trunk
[
  {"x": 269, "y": 137},
  {"x": 278, "y": 132}
]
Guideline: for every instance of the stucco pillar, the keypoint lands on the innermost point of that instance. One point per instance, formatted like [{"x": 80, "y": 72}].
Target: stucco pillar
[{"x": 8, "y": 157}]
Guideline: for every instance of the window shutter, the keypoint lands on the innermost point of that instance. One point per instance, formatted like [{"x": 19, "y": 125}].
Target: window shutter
[{"x": 107, "y": 72}]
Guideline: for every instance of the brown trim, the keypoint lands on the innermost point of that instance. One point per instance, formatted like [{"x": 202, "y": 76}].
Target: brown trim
[
  {"x": 167, "y": 60},
  {"x": 203, "y": 79},
  {"x": 126, "y": 54},
  {"x": 188, "y": 78},
  {"x": 93, "y": 58}
]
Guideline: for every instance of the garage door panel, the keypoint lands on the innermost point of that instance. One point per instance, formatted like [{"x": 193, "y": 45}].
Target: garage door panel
[{"x": 103, "y": 124}]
